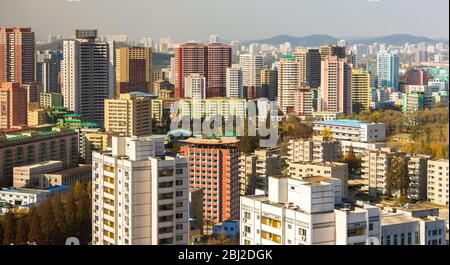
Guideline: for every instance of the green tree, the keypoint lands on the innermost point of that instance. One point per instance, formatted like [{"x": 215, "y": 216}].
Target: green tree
[
  {"x": 9, "y": 224},
  {"x": 397, "y": 179}
]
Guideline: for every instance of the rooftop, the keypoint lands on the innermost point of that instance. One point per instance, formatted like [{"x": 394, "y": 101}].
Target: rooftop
[
  {"x": 72, "y": 170},
  {"x": 39, "y": 164},
  {"x": 23, "y": 191},
  {"x": 210, "y": 141},
  {"x": 396, "y": 218},
  {"x": 353, "y": 123}
]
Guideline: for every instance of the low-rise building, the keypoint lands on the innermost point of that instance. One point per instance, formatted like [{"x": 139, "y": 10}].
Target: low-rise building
[
  {"x": 412, "y": 227},
  {"x": 68, "y": 177},
  {"x": 317, "y": 149},
  {"x": 32, "y": 175},
  {"x": 227, "y": 228},
  {"x": 352, "y": 130}
]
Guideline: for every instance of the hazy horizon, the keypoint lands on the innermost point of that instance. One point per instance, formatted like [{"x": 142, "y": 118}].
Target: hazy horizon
[{"x": 231, "y": 19}]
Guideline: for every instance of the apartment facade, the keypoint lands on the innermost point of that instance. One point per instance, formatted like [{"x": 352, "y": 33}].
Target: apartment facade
[
  {"x": 317, "y": 149},
  {"x": 140, "y": 196},
  {"x": 352, "y": 130},
  {"x": 133, "y": 70},
  {"x": 85, "y": 76},
  {"x": 32, "y": 147},
  {"x": 361, "y": 90},
  {"x": 235, "y": 83},
  {"x": 17, "y": 55},
  {"x": 437, "y": 181},
  {"x": 128, "y": 115},
  {"x": 13, "y": 105},
  {"x": 288, "y": 83},
  {"x": 214, "y": 166}
]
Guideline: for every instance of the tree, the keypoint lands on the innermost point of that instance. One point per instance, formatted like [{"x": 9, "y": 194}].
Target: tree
[
  {"x": 22, "y": 231},
  {"x": 35, "y": 235},
  {"x": 9, "y": 224},
  {"x": 70, "y": 212},
  {"x": 354, "y": 162},
  {"x": 49, "y": 227},
  {"x": 1, "y": 232},
  {"x": 397, "y": 179},
  {"x": 58, "y": 213},
  {"x": 84, "y": 215}
]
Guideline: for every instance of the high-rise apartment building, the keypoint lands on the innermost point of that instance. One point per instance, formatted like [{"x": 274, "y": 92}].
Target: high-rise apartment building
[
  {"x": 50, "y": 100},
  {"x": 269, "y": 84},
  {"x": 210, "y": 61},
  {"x": 251, "y": 65},
  {"x": 335, "y": 93},
  {"x": 48, "y": 68},
  {"x": 288, "y": 83},
  {"x": 309, "y": 66},
  {"x": 214, "y": 166},
  {"x": 388, "y": 69},
  {"x": 219, "y": 59},
  {"x": 85, "y": 75},
  {"x": 128, "y": 115},
  {"x": 235, "y": 83},
  {"x": 418, "y": 77},
  {"x": 304, "y": 101},
  {"x": 13, "y": 105},
  {"x": 332, "y": 50},
  {"x": 17, "y": 58},
  {"x": 195, "y": 86},
  {"x": 361, "y": 90},
  {"x": 139, "y": 196},
  {"x": 133, "y": 69},
  {"x": 318, "y": 149}
]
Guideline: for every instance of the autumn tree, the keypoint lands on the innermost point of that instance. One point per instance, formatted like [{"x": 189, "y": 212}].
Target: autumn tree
[
  {"x": 397, "y": 179},
  {"x": 353, "y": 161},
  {"x": 22, "y": 231},
  {"x": 9, "y": 227},
  {"x": 35, "y": 235}
]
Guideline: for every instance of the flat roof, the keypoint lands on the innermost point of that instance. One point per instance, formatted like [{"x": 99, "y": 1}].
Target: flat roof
[
  {"x": 72, "y": 170},
  {"x": 396, "y": 218},
  {"x": 23, "y": 191},
  {"x": 40, "y": 164},
  {"x": 210, "y": 141},
  {"x": 353, "y": 123}
]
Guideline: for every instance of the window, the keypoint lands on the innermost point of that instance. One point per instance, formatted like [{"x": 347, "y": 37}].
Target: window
[
  {"x": 388, "y": 239},
  {"x": 179, "y": 182},
  {"x": 395, "y": 240},
  {"x": 179, "y": 216},
  {"x": 179, "y": 226},
  {"x": 409, "y": 239},
  {"x": 179, "y": 193},
  {"x": 302, "y": 232},
  {"x": 371, "y": 227},
  {"x": 179, "y": 204},
  {"x": 179, "y": 171}
]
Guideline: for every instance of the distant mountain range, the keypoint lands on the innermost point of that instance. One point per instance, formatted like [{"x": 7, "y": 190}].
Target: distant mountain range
[{"x": 318, "y": 40}]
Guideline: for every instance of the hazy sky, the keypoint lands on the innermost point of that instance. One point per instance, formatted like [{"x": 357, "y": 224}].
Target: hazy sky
[{"x": 231, "y": 19}]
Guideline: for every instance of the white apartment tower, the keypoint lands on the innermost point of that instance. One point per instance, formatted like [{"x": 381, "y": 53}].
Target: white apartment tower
[
  {"x": 251, "y": 65},
  {"x": 139, "y": 196},
  {"x": 85, "y": 76},
  {"x": 235, "y": 83},
  {"x": 288, "y": 83},
  {"x": 195, "y": 86}
]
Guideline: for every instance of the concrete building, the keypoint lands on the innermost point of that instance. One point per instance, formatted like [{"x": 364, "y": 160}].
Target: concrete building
[
  {"x": 17, "y": 55},
  {"x": 318, "y": 149},
  {"x": 31, "y": 147},
  {"x": 416, "y": 101},
  {"x": 355, "y": 225},
  {"x": 326, "y": 115},
  {"x": 36, "y": 117},
  {"x": 361, "y": 90},
  {"x": 332, "y": 50},
  {"x": 128, "y": 115},
  {"x": 209, "y": 107},
  {"x": 68, "y": 177},
  {"x": 417, "y": 173},
  {"x": 437, "y": 183},
  {"x": 133, "y": 70},
  {"x": 288, "y": 83},
  {"x": 213, "y": 166},
  {"x": 335, "y": 93},
  {"x": 13, "y": 105},
  {"x": 251, "y": 65},
  {"x": 210, "y": 61},
  {"x": 388, "y": 69},
  {"x": 48, "y": 68},
  {"x": 31, "y": 176},
  {"x": 412, "y": 227},
  {"x": 85, "y": 75},
  {"x": 195, "y": 86},
  {"x": 304, "y": 170},
  {"x": 34, "y": 90},
  {"x": 304, "y": 102},
  {"x": 352, "y": 130},
  {"x": 235, "y": 83},
  {"x": 269, "y": 84},
  {"x": 360, "y": 148},
  {"x": 21, "y": 197},
  {"x": 309, "y": 66},
  {"x": 247, "y": 174},
  {"x": 374, "y": 168},
  {"x": 227, "y": 228},
  {"x": 196, "y": 209},
  {"x": 50, "y": 99},
  {"x": 140, "y": 196}
]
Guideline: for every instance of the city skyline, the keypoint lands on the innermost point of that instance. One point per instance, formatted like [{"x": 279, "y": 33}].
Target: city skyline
[{"x": 181, "y": 18}]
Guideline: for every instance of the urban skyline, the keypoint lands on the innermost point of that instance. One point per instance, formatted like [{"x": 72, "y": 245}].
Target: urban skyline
[{"x": 375, "y": 18}]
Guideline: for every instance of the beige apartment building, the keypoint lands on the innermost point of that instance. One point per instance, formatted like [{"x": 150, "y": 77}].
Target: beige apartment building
[
  {"x": 438, "y": 181},
  {"x": 128, "y": 115},
  {"x": 317, "y": 149}
]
